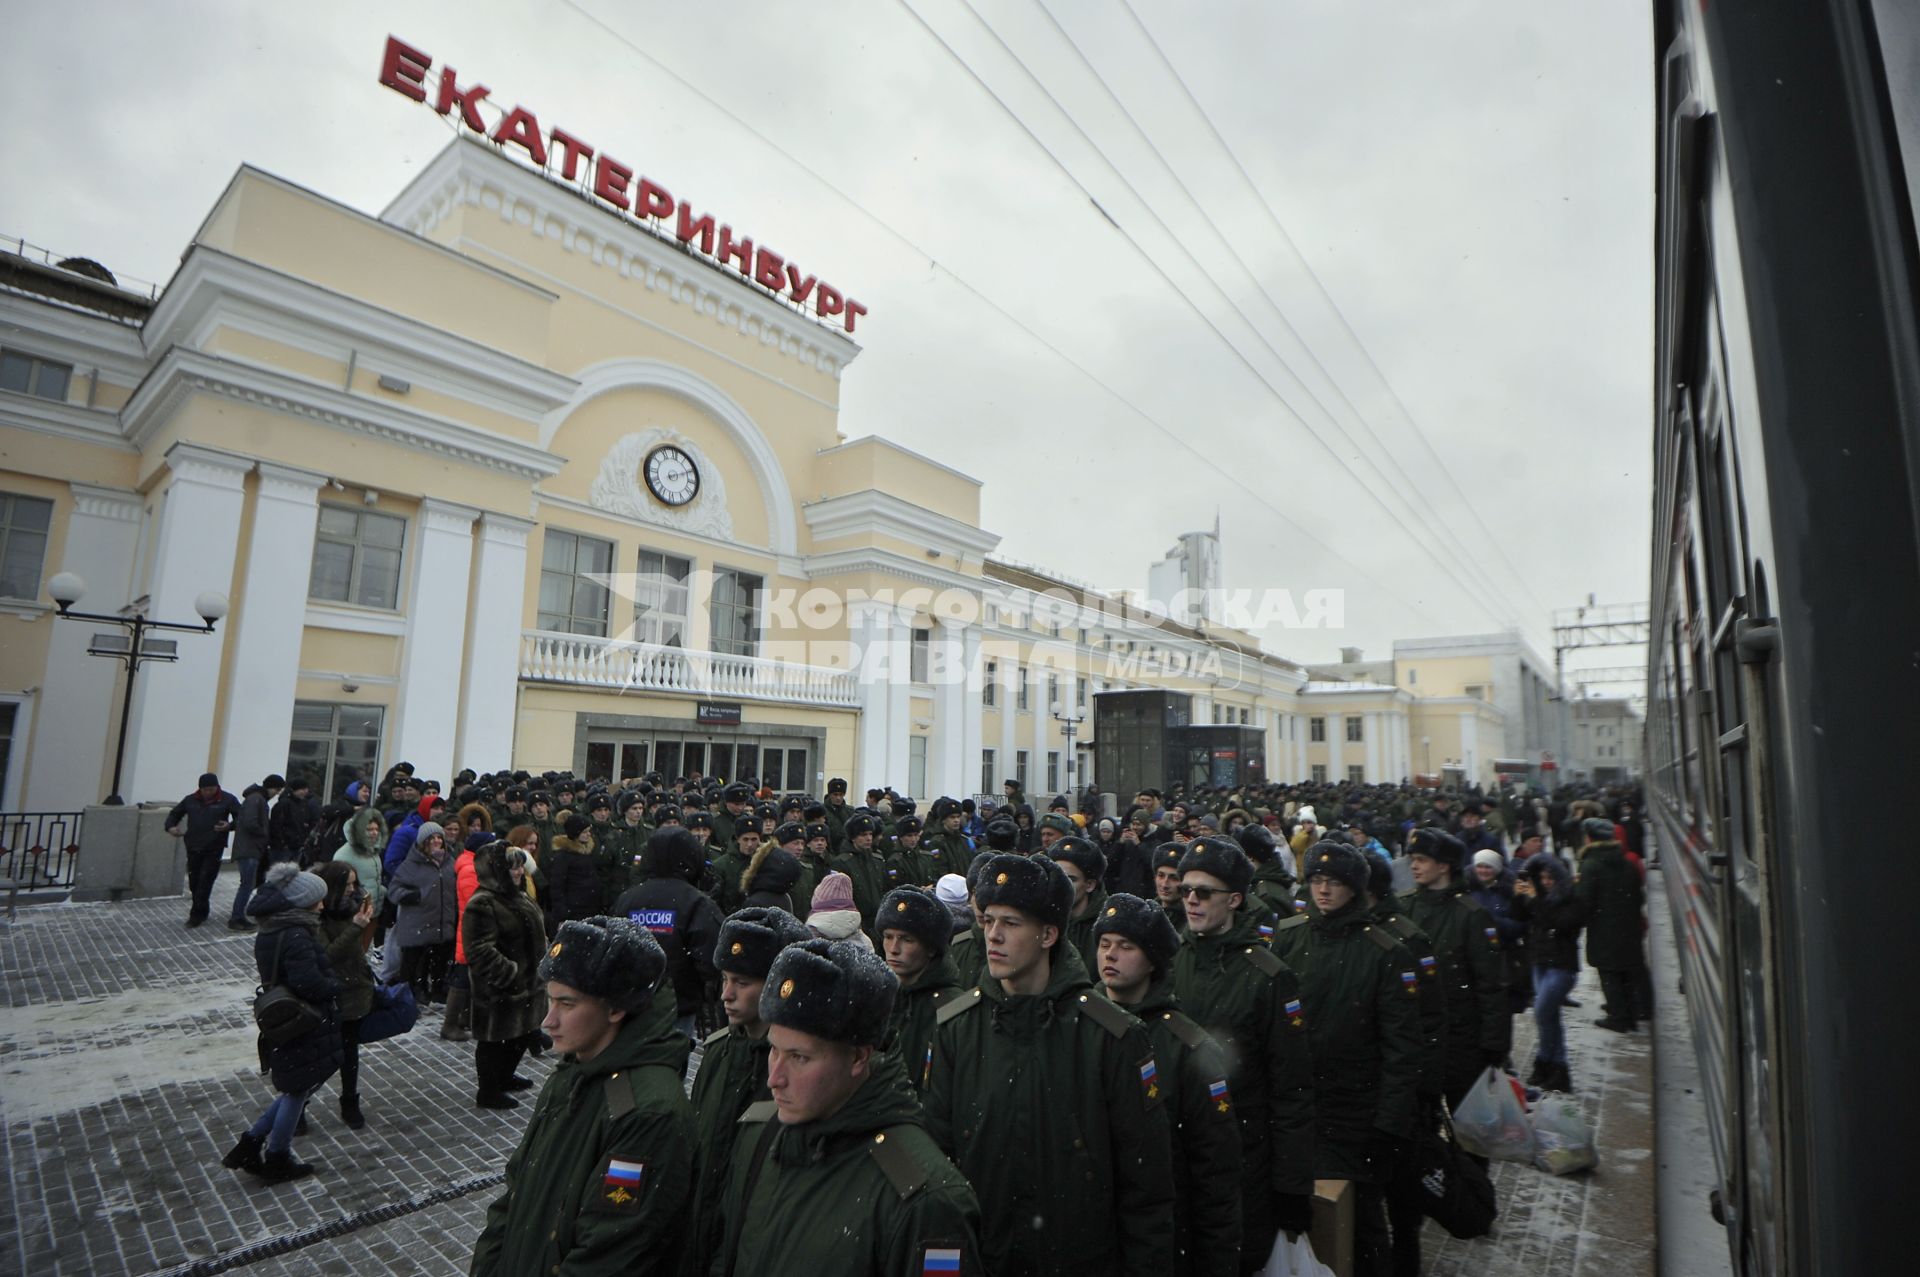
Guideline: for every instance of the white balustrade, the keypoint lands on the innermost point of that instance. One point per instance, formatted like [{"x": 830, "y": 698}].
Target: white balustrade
[{"x": 625, "y": 665}]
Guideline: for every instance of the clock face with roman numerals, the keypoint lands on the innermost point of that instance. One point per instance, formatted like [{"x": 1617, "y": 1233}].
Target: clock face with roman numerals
[{"x": 671, "y": 475}]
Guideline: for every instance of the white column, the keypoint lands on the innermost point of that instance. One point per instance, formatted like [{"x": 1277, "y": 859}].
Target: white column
[
  {"x": 436, "y": 632},
  {"x": 1042, "y": 720},
  {"x": 869, "y": 627},
  {"x": 1070, "y": 778},
  {"x": 1469, "y": 741},
  {"x": 1336, "y": 746},
  {"x": 1374, "y": 743},
  {"x": 956, "y": 714},
  {"x": 490, "y": 684},
  {"x": 974, "y": 740},
  {"x": 1406, "y": 744},
  {"x": 900, "y": 704},
  {"x": 1009, "y": 699},
  {"x": 170, "y": 733},
  {"x": 268, "y": 620},
  {"x": 72, "y": 746}
]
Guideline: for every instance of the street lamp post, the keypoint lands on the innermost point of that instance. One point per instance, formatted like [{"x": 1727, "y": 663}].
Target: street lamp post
[
  {"x": 1069, "y": 723},
  {"x": 66, "y": 589}
]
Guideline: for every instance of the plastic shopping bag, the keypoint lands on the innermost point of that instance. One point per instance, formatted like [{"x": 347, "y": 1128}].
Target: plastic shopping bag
[
  {"x": 1562, "y": 1140},
  {"x": 1492, "y": 1119},
  {"x": 1294, "y": 1257}
]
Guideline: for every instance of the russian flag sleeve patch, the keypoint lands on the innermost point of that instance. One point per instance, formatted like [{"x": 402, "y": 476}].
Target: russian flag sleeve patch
[{"x": 939, "y": 1260}]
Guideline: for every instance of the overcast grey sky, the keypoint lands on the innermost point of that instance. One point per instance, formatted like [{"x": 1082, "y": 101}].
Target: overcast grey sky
[{"x": 1414, "y": 362}]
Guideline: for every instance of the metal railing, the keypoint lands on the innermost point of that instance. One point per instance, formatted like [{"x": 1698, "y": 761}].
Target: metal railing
[
  {"x": 628, "y": 665},
  {"x": 39, "y": 849}
]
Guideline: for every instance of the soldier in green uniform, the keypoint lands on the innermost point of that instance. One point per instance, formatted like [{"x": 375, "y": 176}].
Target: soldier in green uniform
[
  {"x": 865, "y": 863},
  {"x": 1403, "y": 1193},
  {"x": 1049, "y": 1099},
  {"x": 1234, "y": 987},
  {"x": 1273, "y": 880},
  {"x": 913, "y": 861},
  {"x": 816, "y": 857},
  {"x": 1467, "y": 947},
  {"x": 1360, "y": 999},
  {"x": 612, "y": 853},
  {"x": 729, "y": 865},
  {"x": 1052, "y": 828},
  {"x": 1086, "y": 869},
  {"x": 598, "y": 1184},
  {"x": 727, "y": 816},
  {"x": 835, "y": 812},
  {"x": 543, "y": 822},
  {"x": 733, "y": 1065},
  {"x": 968, "y": 950},
  {"x": 836, "y": 1173},
  {"x": 915, "y": 930},
  {"x": 1135, "y": 951},
  {"x": 1166, "y": 883},
  {"x": 946, "y": 839}
]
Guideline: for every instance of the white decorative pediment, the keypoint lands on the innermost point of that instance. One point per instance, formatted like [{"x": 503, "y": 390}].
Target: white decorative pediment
[{"x": 620, "y": 488}]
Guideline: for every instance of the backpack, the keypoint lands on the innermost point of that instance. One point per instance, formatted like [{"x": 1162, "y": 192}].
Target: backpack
[{"x": 328, "y": 834}]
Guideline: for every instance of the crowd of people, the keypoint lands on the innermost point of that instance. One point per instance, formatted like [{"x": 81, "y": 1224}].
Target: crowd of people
[{"x": 986, "y": 1042}]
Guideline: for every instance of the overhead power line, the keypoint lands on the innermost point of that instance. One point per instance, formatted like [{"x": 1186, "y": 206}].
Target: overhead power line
[
  {"x": 1272, "y": 216},
  {"x": 1387, "y": 462},
  {"x": 961, "y": 282},
  {"x": 1453, "y": 571}
]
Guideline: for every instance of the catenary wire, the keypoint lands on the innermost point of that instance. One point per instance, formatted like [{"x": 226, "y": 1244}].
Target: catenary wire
[
  {"x": 1452, "y": 570},
  {"x": 1388, "y": 468},
  {"x": 1406, "y": 413},
  {"x": 967, "y": 287}
]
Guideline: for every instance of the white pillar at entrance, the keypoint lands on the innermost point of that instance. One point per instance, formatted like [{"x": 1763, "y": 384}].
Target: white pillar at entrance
[
  {"x": 1008, "y": 698},
  {"x": 72, "y": 748},
  {"x": 1374, "y": 744},
  {"x": 869, "y": 631},
  {"x": 490, "y": 684},
  {"x": 436, "y": 634},
  {"x": 1336, "y": 747},
  {"x": 974, "y": 740},
  {"x": 947, "y": 667},
  {"x": 895, "y": 769},
  {"x": 1469, "y": 743},
  {"x": 268, "y": 619},
  {"x": 1405, "y": 770},
  {"x": 1070, "y": 778},
  {"x": 170, "y": 736},
  {"x": 1042, "y": 720}
]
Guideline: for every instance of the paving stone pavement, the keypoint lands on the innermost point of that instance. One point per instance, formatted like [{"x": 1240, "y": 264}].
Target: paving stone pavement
[{"x": 127, "y": 1069}]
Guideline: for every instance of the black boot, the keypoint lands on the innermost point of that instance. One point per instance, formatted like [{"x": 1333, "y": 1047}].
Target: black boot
[
  {"x": 278, "y": 1168},
  {"x": 1540, "y": 1073},
  {"x": 245, "y": 1155},
  {"x": 300, "y": 1127},
  {"x": 453, "y": 1025},
  {"x": 1557, "y": 1079},
  {"x": 519, "y": 1082},
  {"x": 350, "y": 1112},
  {"x": 495, "y": 1100}
]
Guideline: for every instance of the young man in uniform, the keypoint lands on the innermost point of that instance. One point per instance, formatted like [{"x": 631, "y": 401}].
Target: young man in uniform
[
  {"x": 836, "y": 1173},
  {"x": 863, "y": 861},
  {"x": 1243, "y": 995},
  {"x": 1166, "y": 883},
  {"x": 1135, "y": 947},
  {"x": 684, "y": 921},
  {"x": 1467, "y": 946},
  {"x": 1048, "y": 1096},
  {"x": 915, "y": 931},
  {"x": 733, "y": 1065},
  {"x": 947, "y": 839},
  {"x": 599, "y": 1182},
  {"x": 1086, "y": 869},
  {"x": 1360, "y": 998}
]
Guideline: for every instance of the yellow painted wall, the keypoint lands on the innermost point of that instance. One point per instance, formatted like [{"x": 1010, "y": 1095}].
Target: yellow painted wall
[
  {"x": 877, "y": 463},
  {"x": 347, "y": 652},
  {"x": 1444, "y": 675},
  {"x": 301, "y": 234}
]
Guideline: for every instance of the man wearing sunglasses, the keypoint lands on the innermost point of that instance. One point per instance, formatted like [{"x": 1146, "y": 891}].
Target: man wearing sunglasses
[{"x": 1227, "y": 980}]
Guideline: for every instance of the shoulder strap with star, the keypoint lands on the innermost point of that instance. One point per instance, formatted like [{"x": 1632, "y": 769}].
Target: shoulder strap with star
[
  {"x": 1262, "y": 959},
  {"x": 1105, "y": 1014},
  {"x": 901, "y": 1168},
  {"x": 1380, "y": 937},
  {"x": 965, "y": 1002},
  {"x": 1191, "y": 1035},
  {"x": 713, "y": 1039},
  {"x": 1288, "y": 924},
  {"x": 764, "y": 1111}
]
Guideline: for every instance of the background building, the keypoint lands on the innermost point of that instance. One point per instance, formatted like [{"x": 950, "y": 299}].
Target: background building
[{"x": 499, "y": 478}]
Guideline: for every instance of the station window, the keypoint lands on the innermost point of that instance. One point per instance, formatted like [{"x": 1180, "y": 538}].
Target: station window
[
  {"x": 1021, "y": 699},
  {"x": 1356, "y": 775},
  {"x": 917, "y": 659},
  {"x": 735, "y": 611},
  {"x": 31, "y": 375},
  {"x": 1020, "y": 768},
  {"x": 986, "y": 769},
  {"x": 573, "y": 583},
  {"x": 1355, "y": 725},
  {"x": 1053, "y": 771},
  {"x": 23, "y": 544},
  {"x": 356, "y": 557},
  {"x": 1319, "y": 773},
  {"x": 660, "y": 599},
  {"x": 917, "y": 766},
  {"x": 334, "y": 745},
  {"x": 1317, "y": 729}
]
